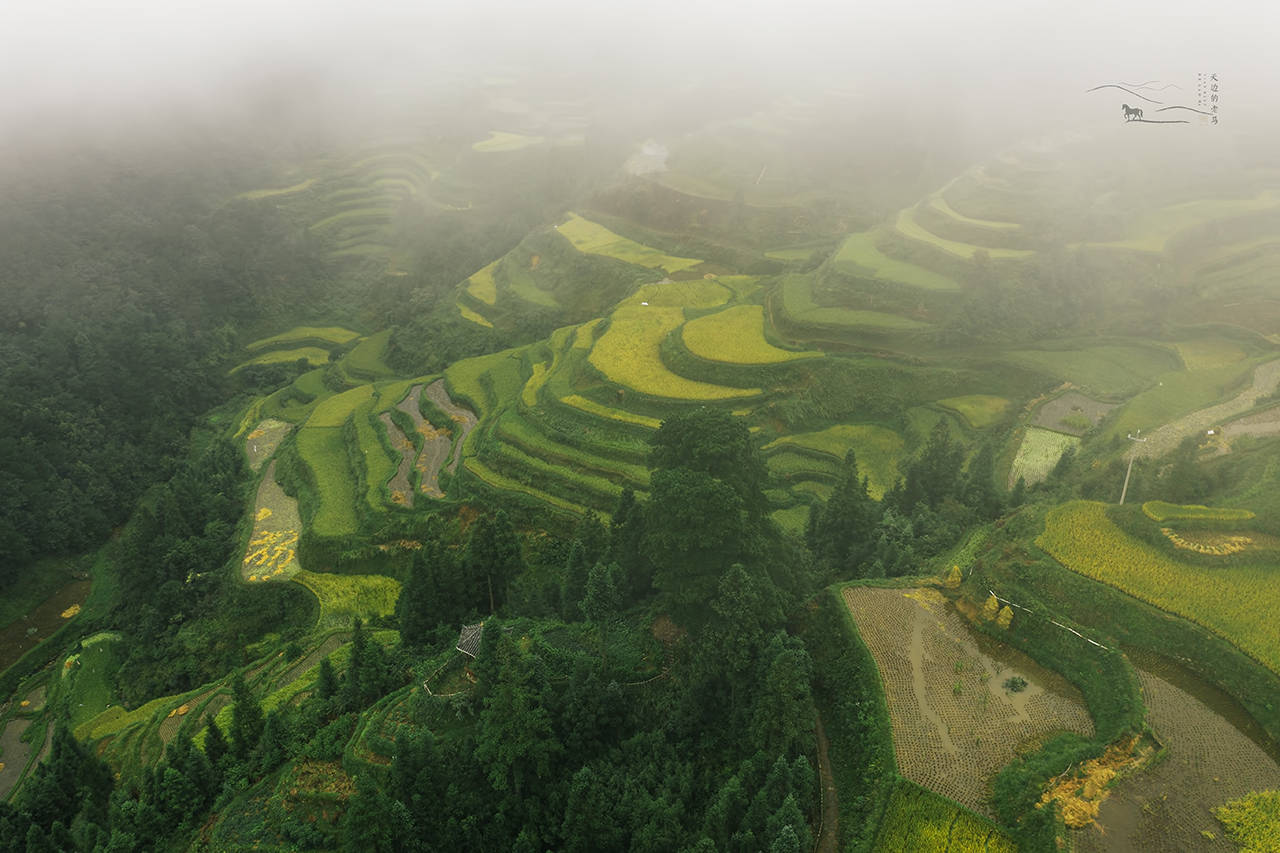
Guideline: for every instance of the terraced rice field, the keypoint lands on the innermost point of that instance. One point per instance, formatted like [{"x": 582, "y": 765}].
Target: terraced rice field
[
  {"x": 877, "y": 449},
  {"x": 979, "y": 410},
  {"x": 907, "y": 225},
  {"x": 270, "y": 193},
  {"x": 501, "y": 140},
  {"x": 629, "y": 353},
  {"x": 399, "y": 489},
  {"x": 335, "y": 335},
  {"x": 313, "y": 356},
  {"x": 954, "y": 723},
  {"x": 469, "y": 314},
  {"x": 325, "y": 453},
  {"x": 858, "y": 255},
  {"x": 736, "y": 336},
  {"x": 435, "y": 445},
  {"x": 1207, "y": 353},
  {"x": 1237, "y": 603},
  {"x": 591, "y": 407},
  {"x": 592, "y": 238},
  {"x": 1106, "y": 370},
  {"x": 1151, "y": 231},
  {"x": 261, "y": 442},
  {"x": 938, "y": 203},
  {"x": 272, "y": 550},
  {"x": 482, "y": 287},
  {"x": 463, "y": 418},
  {"x": 1039, "y": 451},
  {"x": 798, "y": 305},
  {"x": 1168, "y": 807}
]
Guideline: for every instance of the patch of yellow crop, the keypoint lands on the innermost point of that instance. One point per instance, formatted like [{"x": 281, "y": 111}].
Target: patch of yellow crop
[
  {"x": 629, "y": 353},
  {"x": 468, "y": 314},
  {"x": 736, "y": 335},
  {"x": 592, "y": 238},
  {"x": 591, "y": 407},
  {"x": 482, "y": 286}
]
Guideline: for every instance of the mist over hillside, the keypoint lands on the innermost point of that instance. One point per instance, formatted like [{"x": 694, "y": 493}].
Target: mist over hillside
[{"x": 666, "y": 426}]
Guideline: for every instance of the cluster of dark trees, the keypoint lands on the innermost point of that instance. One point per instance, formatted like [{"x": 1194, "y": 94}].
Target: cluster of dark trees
[{"x": 926, "y": 512}]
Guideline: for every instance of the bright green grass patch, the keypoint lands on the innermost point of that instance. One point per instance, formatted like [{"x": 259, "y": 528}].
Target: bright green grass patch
[
  {"x": 591, "y": 238},
  {"x": 859, "y": 252},
  {"x": 314, "y": 356},
  {"x": 877, "y": 450},
  {"x": 939, "y": 204},
  {"x": 1176, "y": 395},
  {"x": 1039, "y": 452},
  {"x": 1108, "y": 370},
  {"x": 325, "y": 453},
  {"x": 333, "y": 412},
  {"x": 1206, "y": 353},
  {"x": 378, "y": 466},
  {"x": 797, "y": 302},
  {"x": 468, "y": 314},
  {"x": 591, "y": 407},
  {"x": 735, "y": 335},
  {"x": 629, "y": 353},
  {"x": 1152, "y": 230},
  {"x": 1238, "y": 603},
  {"x": 503, "y": 483},
  {"x": 89, "y": 679},
  {"x": 1162, "y": 511},
  {"x": 333, "y": 334},
  {"x": 1253, "y": 821},
  {"x": 501, "y": 140},
  {"x": 980, "y": 410},
  {"x": 908, "y": 227},
  {"x": 344, "y": 597},
  {"x": 482, "y": 287},
  {"x": 296, "y": 188},
  {"x": 793, "y": 519},
  {"x": 365, "y": 360},
  {"x": 917, "y": 819}
]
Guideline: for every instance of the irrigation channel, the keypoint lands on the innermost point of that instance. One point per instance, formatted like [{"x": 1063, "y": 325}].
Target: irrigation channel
[{"x": 1215, "y": 753}]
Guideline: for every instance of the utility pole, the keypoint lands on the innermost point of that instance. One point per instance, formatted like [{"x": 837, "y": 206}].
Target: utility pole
[{"x": 1132, "y": 456}]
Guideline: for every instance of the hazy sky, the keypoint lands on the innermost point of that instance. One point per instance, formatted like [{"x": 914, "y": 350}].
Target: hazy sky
[{"x": 91, "y": 57}]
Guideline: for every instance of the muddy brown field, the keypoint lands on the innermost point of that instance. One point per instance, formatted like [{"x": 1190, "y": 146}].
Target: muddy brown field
[
  {"x": 955, "y": 724},
  {"x": 1072, "y": 413},
  {"x": 1211, "y": 758},
  {"x": 23, "y": 635},
  {"x": 398, "y": 486},
  {"x": 464, "y": 418}
]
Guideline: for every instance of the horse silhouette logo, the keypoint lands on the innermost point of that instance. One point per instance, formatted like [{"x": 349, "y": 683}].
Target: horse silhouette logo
[{"x": 1131, "y": 113}]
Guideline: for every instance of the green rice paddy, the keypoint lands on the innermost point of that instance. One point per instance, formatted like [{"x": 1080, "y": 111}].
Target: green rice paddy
[
  {"x": 858, "y": 255},
  {"x": 980, "y": 410},
  {"x": 501, "y": 140},
  {"x": 736, "y": 335},
  {"x": 591, "y": 238},
  {"x": 798, "y": 304},
  {"x": 314, "y": 356},
  {"x": 1039, "y": 451},
  {"x": 907, "y": 226},
  {"x": 332, "y": 334},
  {"x": 325, "y": 453},
  {"x": 877, "y": 449}
]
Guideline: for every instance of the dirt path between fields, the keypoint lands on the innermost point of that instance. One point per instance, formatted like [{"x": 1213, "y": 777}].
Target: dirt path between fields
[
  {"x": 463, "y": 417},
  {"x": 1266, "y": 377},
  {"x": 828, "y": 836}
]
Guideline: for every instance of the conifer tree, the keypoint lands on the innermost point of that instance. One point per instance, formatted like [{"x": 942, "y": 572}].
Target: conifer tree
[{"x": 246, "y": 719}]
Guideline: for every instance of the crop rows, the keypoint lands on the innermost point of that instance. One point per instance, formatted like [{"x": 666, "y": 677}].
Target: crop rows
[
  {"x": 918, "y": 820},
  {"x": 1237, "y": 603},
  {"x": 1161, "y": 511}
]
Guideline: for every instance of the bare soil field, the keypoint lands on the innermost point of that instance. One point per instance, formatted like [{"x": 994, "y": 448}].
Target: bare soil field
[
  {"x": 13, "y": 754},
  {"x": 955, "y": 723},
  {"x": 1072, "y": 413},
  {"x": 263, "y": 440},
  {"x": 1212, "y": 758},
  {"x": 462, "y": 416},
  {"x": 272, "y": 550},
  {"x": 23, "y": 635},
  {"x": 398, "y": 486},
  {"x": 435, "y": 441},
  {"x": 1257, "y": 424}
]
